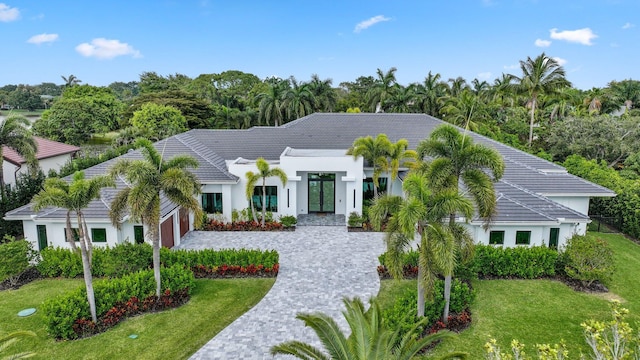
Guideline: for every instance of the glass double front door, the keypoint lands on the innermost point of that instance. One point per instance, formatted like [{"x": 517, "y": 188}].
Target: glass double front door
[{"x": 322, "y": 193}]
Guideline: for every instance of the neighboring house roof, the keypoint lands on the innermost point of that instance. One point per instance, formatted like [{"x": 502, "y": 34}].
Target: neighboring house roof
[
  {"x": 521, "y": 193},
  {"x": 46, "y": 149}
]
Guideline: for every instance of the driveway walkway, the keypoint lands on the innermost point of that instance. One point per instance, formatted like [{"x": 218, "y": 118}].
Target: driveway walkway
[{"x": 319, "y": 265}]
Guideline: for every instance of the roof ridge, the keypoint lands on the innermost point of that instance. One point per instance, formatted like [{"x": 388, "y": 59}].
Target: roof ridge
[
  {"x": 199, "y": 153},
  {"x": 541, "y": 197}
]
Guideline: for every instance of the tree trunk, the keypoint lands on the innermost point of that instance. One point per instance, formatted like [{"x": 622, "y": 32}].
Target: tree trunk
[
  {"x": 533, "y": 113},
  {"x": 264, "y": 201},
  {"x": 447, "y": 298},
  {"x": 86, "y": 267},
  {"x": 420, "y": 293},
  {"x": 253, "y": 210},
  {"x": 89, "y": 243},
  {"x": 156, "y": 256}
]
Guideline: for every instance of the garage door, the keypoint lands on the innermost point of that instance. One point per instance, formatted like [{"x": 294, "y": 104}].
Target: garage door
[{"x": 166, "y": 233}]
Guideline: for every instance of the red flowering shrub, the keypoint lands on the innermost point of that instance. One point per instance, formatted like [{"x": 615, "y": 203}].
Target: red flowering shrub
[
  {"x": 216, "y": 225},
  {"x": 234, "y": 271}
]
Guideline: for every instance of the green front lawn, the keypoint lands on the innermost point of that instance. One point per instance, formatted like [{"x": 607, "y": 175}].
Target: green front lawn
[
  {"x": 539, "y": 311},
  {"x": 174, "y": 334}
]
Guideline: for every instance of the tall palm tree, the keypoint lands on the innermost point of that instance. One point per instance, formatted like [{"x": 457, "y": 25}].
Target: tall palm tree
[
  {"x": 465, "y": 110},
  {"x": 271, "y": 102},
  {"x": 147, "y": 178},
  {"x": 71, "y": 80},
  {"x": 421, "y": 212},
  {"x": 542, "y": 75},
  {"x": 298, "y": 100},
  {"x": 382, "y": 89},
  {"x": 374, "y": 152},
  {"x": 15, "y": 134},
  {"x": 369, "y": 338},
  {"x": 457, "y": 85},
  {"x": 502, "y": 90},
  {"x": 402, "y": 99},
  {"x": 398, "y": 156},
  {"x": 75, "y": 197},
  {"x": 430, "y": 93},
  {"x": 458, "y": 160},
  {"x": 264, "y": 172},
  {"x": 324, "y": 95}
]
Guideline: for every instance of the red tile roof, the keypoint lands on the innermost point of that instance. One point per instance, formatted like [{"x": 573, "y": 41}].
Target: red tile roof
[{"x": 46, "y": 149}]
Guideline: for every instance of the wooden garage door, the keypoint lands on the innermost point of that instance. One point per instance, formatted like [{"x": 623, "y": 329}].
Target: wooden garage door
[
  {"x": 184, "y": 221},
  {"x": 166, "y": 233}
]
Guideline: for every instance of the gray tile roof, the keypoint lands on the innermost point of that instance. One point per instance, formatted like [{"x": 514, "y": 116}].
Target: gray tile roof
[{"x": 526, "y": 176}]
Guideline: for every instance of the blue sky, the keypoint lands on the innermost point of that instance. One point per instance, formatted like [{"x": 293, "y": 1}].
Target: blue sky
[{"x": 105, "y": 41}]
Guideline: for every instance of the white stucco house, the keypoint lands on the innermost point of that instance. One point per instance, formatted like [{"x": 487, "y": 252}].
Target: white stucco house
[
  {"x": 539, "y": 203},
  {"x": 51, "y": 155}
]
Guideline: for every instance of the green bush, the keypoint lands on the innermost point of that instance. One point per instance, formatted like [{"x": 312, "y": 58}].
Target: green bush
[
  {"x": 288, "y": 220},
  {"x": 355, "y": 220},
  {"x": 57, "y": 262},
  {"x": 588, "y": 259},
  {"x": 519, "y": 262},
  {"x": 15, "y": 259},
  {"x": 209, "y": 257},
  {"x": 60, "y": 313},
  {"x": 409, "y": 258},
  {"x": 404, "y": 313}
]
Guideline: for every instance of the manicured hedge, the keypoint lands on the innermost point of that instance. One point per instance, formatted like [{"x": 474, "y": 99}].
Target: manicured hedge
[
  {"x": 518, "y": 262},
  {"x": 61, "y": 313},
  {"x": 126, "y": 258},
  {"x": 491, "y": 261}
]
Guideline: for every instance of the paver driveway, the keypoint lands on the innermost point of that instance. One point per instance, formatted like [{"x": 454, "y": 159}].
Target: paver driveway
[{"x": 319, "y": 265}]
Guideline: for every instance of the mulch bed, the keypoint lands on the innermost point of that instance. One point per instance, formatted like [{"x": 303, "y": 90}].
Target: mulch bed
[{"x": 26, "y": 277}]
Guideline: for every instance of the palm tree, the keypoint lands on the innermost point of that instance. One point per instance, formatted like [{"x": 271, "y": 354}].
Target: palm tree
[
  {"x": 369, "y": 338},
  {"x": 271, "y": 102},
  {"x": 402, "y": 99},
  {"x": 264, "y": 172},
  {"x": 15, "y": 134},
  {"x": 72, "y": 80},
  {"x": 147, "y": 179},
  {"x": 421, "y": 211},
  {"x": 374, "y": 152},
  {"x": 429, "y": 93},
  {"x": 464, "y": 110},
  {"x": 298, "y": 100},
  {"x": 398, "y": 156},
  {"x": 542, "y": 75},
  {"x": 382, "y": 89},
  {"x": 457, "y": 159},
  {"x": 457, "y": 85},
  {"x": 75, "y": 197},
  {"x": 502, "y": 90},
  {"x": 323, "y": 94}
]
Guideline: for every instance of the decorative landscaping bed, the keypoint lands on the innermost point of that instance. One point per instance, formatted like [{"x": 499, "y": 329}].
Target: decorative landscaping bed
[
  {"x": 216, "y": 225},
  {"x": 24, "y": 278}
]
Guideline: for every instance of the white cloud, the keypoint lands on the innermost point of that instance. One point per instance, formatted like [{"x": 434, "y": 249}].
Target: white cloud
[
  {"x": 560, "y": 61},
  {"x": 102, "y": 48},
  {"x": 370, "y": 22},
  {"x": 542, "y": 43},
  {"x": 8, "y": 13},
  {"x": 484, "y": 75},
  {"x": 42, "y": 38},
  {"x": 628, "y": 26},
  {"x": 580, "y": 36}
]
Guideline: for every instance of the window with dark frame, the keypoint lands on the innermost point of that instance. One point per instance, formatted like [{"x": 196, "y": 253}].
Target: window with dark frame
[
  {"x": 212, "y": 203},
  {"x": 496, "y": 238},
  {"x": 367, "y": 188},
  {"x": 99, "y": 235},
  {"x": 271, "y": 198},
  {"x": 76, "y": 237},
  {"x": 523, "y": 237}
]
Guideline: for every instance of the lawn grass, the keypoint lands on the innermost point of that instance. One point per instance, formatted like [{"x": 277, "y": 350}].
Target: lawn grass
[
  {"x": 173, "y": 334},
  {"x": 538, "y": 311}
]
